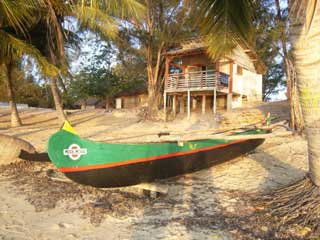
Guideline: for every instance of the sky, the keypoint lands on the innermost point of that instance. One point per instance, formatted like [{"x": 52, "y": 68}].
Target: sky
[{"x": 90, "y": 45}]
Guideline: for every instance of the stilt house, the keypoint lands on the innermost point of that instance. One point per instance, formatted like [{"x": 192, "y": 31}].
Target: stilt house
[{"x": 191, "y": 77}]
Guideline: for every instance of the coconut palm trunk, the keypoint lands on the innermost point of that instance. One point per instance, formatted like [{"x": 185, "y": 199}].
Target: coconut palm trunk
[
  {"x": 53, "y": 59},
  {"x": 154, "y": 75},
  {"x": 57, "y": 100},
  {"x": 305, "y": 39},
  {"x": 295, "y": 111},
  {"x": 108, "y": 101},
  {"x": 15, "y": 118}
]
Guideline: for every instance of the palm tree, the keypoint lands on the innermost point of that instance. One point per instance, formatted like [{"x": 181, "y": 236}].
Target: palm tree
[
  {"x": 15, "y": 18},
  {"x": 227, "y": 21},
  {"x": 18, "y": 25},
  {"x": 49, "y": 34},
  {"x": 164, "y": 24},
  {"x": 7, "y": 18},
  {"x": 305, "y": 39},
  {"x": 7, "y": 70},
  {"x": 224, "y": 22},
  {"x": 295, "y": 121}
]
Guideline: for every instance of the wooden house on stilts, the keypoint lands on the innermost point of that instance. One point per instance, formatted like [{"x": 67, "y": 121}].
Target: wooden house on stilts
[{"x": 191, "y": 77}]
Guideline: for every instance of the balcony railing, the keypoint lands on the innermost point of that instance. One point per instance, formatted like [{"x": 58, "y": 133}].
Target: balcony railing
[{"x": 201, "y": 80}]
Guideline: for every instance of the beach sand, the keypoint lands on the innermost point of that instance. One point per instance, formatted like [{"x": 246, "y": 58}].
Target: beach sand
[{"x": 216, "y": 203}]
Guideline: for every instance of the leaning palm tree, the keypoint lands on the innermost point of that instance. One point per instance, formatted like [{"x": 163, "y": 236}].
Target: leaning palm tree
[
  {"x": 10, "y": 16},
  {"x": 50, "y": 36},
  {"x": 47, "y": 34},
  {"x": 225, "y": 22},
  {"x": 6, "y": 70},
  {"x": 19, "y": 25},
  {"x": 15, "y": 19}
]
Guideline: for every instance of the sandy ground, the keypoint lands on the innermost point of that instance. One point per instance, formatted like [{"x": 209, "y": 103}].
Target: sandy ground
[{"x": 211, "y": 204}]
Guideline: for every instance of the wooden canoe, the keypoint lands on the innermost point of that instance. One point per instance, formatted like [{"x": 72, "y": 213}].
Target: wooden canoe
[{"x": 102, "y": 164}]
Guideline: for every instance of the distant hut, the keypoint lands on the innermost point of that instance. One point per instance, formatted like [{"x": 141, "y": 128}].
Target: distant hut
[
  {"x": 192, "y": 77},
  {"x": 133, "y": 99},
  {"x": 89, "y": 103}
]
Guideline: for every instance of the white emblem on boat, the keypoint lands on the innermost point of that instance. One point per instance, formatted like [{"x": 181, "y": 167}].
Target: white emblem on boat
[{"x": 74, "y": 152}]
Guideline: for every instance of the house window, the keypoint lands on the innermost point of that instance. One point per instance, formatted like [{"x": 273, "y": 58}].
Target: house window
[
  {"x": 210, "y": 75},
  {"x": 239, "y": 70},
  {"x": 211, "y": 67},
  {"x": 194, "y": 69}
]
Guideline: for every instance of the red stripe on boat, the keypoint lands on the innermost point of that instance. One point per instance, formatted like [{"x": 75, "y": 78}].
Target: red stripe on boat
[{"x": 139, "y": 160}]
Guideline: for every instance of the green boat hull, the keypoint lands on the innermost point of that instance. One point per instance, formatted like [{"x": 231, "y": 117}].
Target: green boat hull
[{"x": 113, "y": 165}]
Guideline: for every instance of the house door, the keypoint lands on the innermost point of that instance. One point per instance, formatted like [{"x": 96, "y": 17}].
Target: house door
[
  {"x": 210, "y": 75},
  {"x": 194, "y": 75}
]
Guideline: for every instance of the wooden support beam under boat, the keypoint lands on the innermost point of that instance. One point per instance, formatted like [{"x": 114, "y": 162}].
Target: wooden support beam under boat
[
  {"x": 152, "y": 188},
  {"x": 189, "y": 114},
  {"x": 203, "y": 104}
]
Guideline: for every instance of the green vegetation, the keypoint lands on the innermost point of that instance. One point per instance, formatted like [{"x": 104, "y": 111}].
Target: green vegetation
[
  {"x": 26, "y": 89},
  {"x": 138, "y": 42}
]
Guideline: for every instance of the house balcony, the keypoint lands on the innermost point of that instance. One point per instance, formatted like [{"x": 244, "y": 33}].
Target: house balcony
[{"x": 197, "y": 81}]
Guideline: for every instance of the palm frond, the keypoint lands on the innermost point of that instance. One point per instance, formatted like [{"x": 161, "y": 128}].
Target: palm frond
[
  {"x": 224, "y": 22},
  {"x": 55, "y": 29},
  {"x": 18, "y": 14},
  {"x": 103, "y": 15},
  {"x": 13, "y": 48},
  {"x": 124, "y": 8},
  {"x": 61, "y": 7},
  {"x": 97, "y": 20}
]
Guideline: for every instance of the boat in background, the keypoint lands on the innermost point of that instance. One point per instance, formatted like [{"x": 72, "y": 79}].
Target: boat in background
[{"x": 102, "y": 164}]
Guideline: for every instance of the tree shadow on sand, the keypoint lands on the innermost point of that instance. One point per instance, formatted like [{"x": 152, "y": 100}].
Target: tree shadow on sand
[
  {"x": 196, "y": 209},
  {"x": 189, "y": 211},
  {"x": 253, "y": 218},
  {"x": 280, "y": 173}
]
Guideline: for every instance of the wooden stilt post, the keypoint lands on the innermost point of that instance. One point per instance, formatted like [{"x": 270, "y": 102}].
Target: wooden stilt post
[
  {"x": 229, "y": 101},
  {"x": 203, "y": 104},
  {"x": 165, "y": 105},
  {"x": 217, "y": 74},
  {"x": 230, "y": 87},
  {"x": 166, "y": 73},
  {"x": 214, "y": 101},
  {"x": 189, "y": 104},
  {"x": 181, "y": 105},
  {"x": 230, "y": 83},
  {"x": 194, "y": 103},
  {"x": 174, "y": 105}
]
